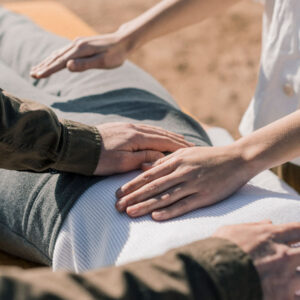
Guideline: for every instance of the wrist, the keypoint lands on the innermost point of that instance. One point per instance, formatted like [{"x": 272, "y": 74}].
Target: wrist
[
  {"x": 81, "y": 150},
  {"x": 132, "y": 35},
  {"x": 252, "y": 156}
]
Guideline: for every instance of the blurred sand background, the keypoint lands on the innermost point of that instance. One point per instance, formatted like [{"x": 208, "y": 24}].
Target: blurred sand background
[{"x": 210, "y": 68}]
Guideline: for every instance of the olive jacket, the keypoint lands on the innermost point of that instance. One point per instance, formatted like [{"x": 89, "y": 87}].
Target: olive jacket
[{"x": 33, "y": 138}]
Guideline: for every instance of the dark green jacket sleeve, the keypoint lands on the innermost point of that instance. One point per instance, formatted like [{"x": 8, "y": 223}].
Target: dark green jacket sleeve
[
  {"x": 32, "y": 138},
  {"x": 210, "y": 269}
]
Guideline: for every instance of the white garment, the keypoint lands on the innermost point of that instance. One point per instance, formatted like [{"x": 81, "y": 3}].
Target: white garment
[
  {"x": 95, "y": 235},
  {"x": 278, "y": 89}
]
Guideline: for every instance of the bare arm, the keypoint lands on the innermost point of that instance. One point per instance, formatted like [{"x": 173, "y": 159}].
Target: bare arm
[
  {"x": 111, "y": 50},
  {"x": 169, "y": 16},
  {"x": 272, "y": 145},
  {"x": 196, "y": 177}
]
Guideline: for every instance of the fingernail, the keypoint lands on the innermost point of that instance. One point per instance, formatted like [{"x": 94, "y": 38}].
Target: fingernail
[
  {"x": 146, "y": 166},
  {"x": 133, "y": 212},
  {"x": 120, "y": 205},
  {"x": 119, "y": 193},
  {"x": 157, "y": 216},
  {"x": 298, "y": 269},
  {"x": 297, "y": 293}
]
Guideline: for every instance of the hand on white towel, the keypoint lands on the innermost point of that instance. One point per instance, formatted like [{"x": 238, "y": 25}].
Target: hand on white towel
[
  {"x": 184, "y": 181},
  {"x": 270, "y": 249},
  {"x": 125, "y": 147}
]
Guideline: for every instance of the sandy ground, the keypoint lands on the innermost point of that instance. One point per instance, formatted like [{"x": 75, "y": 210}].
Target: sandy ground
[{"x": 211, "y": 68}]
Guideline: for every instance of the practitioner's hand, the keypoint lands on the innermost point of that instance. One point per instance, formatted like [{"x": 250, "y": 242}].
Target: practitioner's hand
[
  {"x": 125, "y": 147},
  {"x": 184, "y": 181},
  {"x": 276, "y": 262},
  {"x": 103, "y": 52}
]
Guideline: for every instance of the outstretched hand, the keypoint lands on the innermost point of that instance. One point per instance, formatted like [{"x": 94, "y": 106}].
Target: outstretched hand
[
  {"x": 98, "y": 52},
  {"x": 183, "y": 181},
  {"x": 125, "y": 147},
  {"x": 275, "y": 258}
]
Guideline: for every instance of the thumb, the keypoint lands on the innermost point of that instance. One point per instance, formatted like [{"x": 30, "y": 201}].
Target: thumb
[
  {"x": 83, "y": 63},
  {"x": 147, "y": 157},
  {"x": 149, "y": 165}
]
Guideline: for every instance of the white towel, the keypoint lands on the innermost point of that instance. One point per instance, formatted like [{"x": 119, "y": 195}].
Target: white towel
[{"x": 95, "y": 235}]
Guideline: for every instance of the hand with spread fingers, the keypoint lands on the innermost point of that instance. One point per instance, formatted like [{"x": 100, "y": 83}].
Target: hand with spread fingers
[
  {"x": 98, "y": 52},
  {"x": 125, "y": 147},
  {"x": 183, "y": 181},
  {"x": 275, "y": 256}
]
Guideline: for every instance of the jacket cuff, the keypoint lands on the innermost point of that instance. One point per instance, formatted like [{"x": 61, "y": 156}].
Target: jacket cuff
[
  {"x": 81, "y": 150},
  {"x": 230, "y": 269}
]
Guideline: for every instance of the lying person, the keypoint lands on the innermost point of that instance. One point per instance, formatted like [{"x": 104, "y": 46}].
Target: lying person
[
  {"x": 38, "y": 211},
  {"x": 276, "y": 96}
]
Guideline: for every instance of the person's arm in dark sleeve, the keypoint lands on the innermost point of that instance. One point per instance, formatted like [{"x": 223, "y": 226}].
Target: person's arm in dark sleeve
[
  {"x": 32, "y": 138},
  {"x": 210, "y": 269}
]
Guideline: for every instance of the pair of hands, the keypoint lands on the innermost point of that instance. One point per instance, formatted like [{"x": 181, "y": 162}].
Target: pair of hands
[
  {"x": 175, "y": 185},
  {"x": 271, "y": 249},
  {"x": 187, "y": 179}
]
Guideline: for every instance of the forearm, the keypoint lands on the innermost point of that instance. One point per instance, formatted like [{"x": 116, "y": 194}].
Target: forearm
[
  {"x": 32, "y": 138},
  {"x": 210, "y": 269},
  {"x": 272, "y": 145},
  {"x": 169, "y": 16}
]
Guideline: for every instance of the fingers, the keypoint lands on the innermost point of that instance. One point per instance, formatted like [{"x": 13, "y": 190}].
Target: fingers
[
  {"x": 144, "y": 179},
  {"x": 37, "y": 71},
  {"x": 163, "y": 135},
  {"x": 287, "y": 233},
  {"x": 149, "y": 191},
  {"x": 83, "y": 64},
  {"x": 134, "y": 160},
  {"x": 180, "y": 208},
  {"x": 160, "y": 143},
  {"x": 162, "y": 200},
  {"x": 297, "y": 283},
  {"x": 53, "y": 56},
  {"x": 58, "y": 60},
  {"x": 148, "y": 166},
  {"x": 296, "y": 286},
  {"x": 166, "y": 141},
  {"x": 294, "y": 254},
  {"x": 155, "y": 129}
]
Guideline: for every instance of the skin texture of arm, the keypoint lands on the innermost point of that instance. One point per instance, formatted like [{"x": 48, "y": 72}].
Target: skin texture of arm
[
  {"x": 33, "y": 138},
  {"x": 196, "y": 177},
  {"x": 111, "y": 50}
]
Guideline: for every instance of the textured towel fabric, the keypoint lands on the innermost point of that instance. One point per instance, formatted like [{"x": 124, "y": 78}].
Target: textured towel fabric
[{"x": 95, "y": 235}]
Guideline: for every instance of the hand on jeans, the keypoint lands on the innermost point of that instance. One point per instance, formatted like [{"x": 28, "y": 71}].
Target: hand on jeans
[
  {"x": 97, "y": 52},
  {"x": 276, "y": 261},
  {"x": 184, "y": 181},
  {"x": 125, "y": 147}
]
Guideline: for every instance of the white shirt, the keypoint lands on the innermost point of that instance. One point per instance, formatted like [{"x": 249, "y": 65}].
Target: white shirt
[{"x": 278, "y": 89}]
